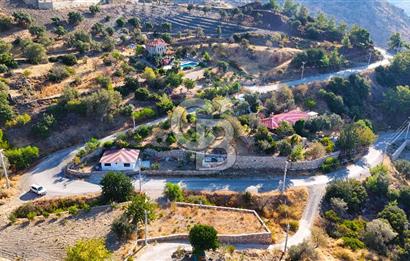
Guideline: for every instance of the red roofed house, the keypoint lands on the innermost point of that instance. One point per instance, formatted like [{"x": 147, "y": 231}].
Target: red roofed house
[
  {"x": 156, "y": 47},
  {"x": 120, "y": 160},
  {"x": 292, "y": 116}
]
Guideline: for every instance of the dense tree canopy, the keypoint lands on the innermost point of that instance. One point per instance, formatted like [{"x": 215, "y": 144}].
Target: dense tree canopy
[
  {"x": 351, "y": 191},
  {"x": 116, "y": 187}
]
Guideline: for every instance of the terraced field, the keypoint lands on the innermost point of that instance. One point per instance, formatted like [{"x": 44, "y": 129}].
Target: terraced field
[{"x": 184, "y": 22}]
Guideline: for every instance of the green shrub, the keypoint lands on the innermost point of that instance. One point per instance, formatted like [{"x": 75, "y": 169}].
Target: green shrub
[
  {"x": 59, "y": 73},
  {"x": 328, "y": 143},
  {"x": 19, "y": 120},
  {"x": 403, "y": 166},
  {"x": 329, "y": 164},
  {"x": 173, "y": 192},
  {"x": 122, "y": 228},
  {"x": 353, "y": 243},
  {"x": 59, "y": 212},
  {"x": 197, "y": 199},
  {"x": 3, "y": 68},
  {"x": 21, "y": 158},
  {"x": 68, "y": 59},
  {"x": 35, "y": 53},
  {"x": 73, "y": 210},
  {"x": 332, "y": 216},
  {"x": 293, "y": 225},
  {"x": 31, "y": 215},
  {"x": 88, "y": 249},
  {"x": 171, "y": 139},
  {"x": 203, "y": 237},
  {"x": 75, "y": 18},
  {"x": 142, "y": 94},
  {"x": 44, "y": 126},
  {"x": 143, "y": 114},
  {"x": 351, "y": 191},
  {"x": 284, "y": 147},
  {"x": 230, "y": 249},
  {"x": 104, "y": 82},
  {"x": 12, "y": 218}
]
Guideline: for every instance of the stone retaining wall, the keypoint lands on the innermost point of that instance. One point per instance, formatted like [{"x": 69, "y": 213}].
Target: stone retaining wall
[
  {"x": 268, "y": 162},
  {"x": 256, "y": 163},
  {"x": 264, "y": 237},
  {"x": 178, "y": 154}
]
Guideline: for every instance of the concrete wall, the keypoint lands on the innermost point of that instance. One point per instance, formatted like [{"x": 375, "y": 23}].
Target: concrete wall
[
  {"x": 59, "y": 4},
  {"x": 177, "y": 154},
  {"x": 33, "y": 3},
  {"x": 118, "y": 166},
  {"x": 268, "y": 162},
  {"x": 241, "y": 163}
]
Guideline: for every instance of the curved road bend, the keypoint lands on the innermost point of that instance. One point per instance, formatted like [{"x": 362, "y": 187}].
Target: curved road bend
[
  {"x": 49, "y": 172},
  {"x": 323, "y": 77}
]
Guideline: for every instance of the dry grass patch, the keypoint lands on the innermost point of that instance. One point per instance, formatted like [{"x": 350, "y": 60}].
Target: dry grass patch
[
  {"x": 179, "y": 220},
  {"x": 270, "y": 206}
]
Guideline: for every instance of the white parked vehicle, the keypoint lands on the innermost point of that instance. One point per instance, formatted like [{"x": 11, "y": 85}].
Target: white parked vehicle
[{"x": 39, "y": 190}]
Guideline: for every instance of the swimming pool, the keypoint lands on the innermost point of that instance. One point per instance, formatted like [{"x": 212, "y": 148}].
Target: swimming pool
[{"x": 188, "y": 65}]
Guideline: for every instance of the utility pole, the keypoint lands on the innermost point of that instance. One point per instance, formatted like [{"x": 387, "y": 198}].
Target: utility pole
[
  {"x": 370, "y": 58},
  {"x": 140, "y": 179},
  {"x": 286, "y": 238},
  {"x": 284, "y": 177},
  {"x": 3, "y": 164},
  {"x": 146, "y": 224},
  {"x": 303, "y": 70}
]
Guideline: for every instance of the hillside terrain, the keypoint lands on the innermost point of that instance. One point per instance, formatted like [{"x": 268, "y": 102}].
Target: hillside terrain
[
  {"x": 161, "y": 91},
  {"x": 378, "y": 16},
  {"x": 405, "y": 5}
]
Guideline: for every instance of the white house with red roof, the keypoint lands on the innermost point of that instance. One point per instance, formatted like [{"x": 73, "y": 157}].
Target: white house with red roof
[
  {"x": 292, "y": 117},
  {"x": 120, "y": 160},
  {"x": 156, "y": 47}
]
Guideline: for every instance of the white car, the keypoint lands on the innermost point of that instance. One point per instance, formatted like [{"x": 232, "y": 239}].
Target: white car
[{"x": 39, "y": 190}]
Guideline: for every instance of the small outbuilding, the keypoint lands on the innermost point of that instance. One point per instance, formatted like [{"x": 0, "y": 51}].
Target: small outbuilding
[{"x": 120, "y": 160}]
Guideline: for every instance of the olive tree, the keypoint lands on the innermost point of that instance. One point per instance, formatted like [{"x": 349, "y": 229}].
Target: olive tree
[
  {"x": 116, "y": 187},
  {"x": 203, "y": 237},
  {"x": 378, "y": 234}
]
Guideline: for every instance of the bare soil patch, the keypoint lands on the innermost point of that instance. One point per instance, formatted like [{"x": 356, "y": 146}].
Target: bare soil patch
[
  {"x": 47, "y": 239},
  {"x": 179, "y": 219},
  {"x": 270, "y": 206}
]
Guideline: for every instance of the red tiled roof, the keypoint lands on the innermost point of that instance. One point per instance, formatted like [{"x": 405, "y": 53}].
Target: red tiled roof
[
  {"x": 120, "y": 156},
  {"x": 291, "y": 117},
  {"x": 155, "y": 42}
]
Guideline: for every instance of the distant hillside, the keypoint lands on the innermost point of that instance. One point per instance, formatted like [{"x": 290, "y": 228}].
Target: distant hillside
[
  {"x": 404, "y": 4},
  {"x": 380, "y": 17}
]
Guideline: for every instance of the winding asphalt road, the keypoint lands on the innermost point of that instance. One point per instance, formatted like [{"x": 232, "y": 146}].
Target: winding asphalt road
[
  {"x": 323, "y": 77},
  {"x": 49, "y": 172}
]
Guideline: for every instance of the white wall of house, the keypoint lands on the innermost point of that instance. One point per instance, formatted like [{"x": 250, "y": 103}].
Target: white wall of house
[
  {"x": 157, "y": 49},
  {"x": 119, "y": 166}
]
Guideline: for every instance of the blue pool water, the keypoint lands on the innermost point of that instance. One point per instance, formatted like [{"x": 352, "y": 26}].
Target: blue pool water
[{"x": 188, "y": 64}]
